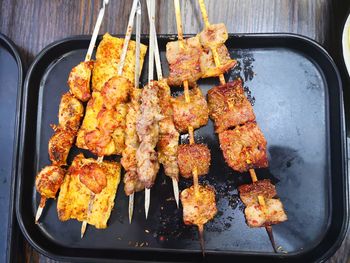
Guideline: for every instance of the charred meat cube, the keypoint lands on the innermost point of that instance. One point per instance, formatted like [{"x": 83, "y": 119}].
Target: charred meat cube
[
  {"x": 258, "y": 216},
  {"x": 249, "y": 192},
  {"x": 49, "y": 180},
  {"x": 228, "y": 106},
  {"x": 59, "y": 145},
  {"x": 191, "y": 156},
  {"x": 213, "y": 36},
  {"x": 71, "y": 111},
  {"x": 199, "y": 208},
  {"x": 244, "y": 147},
  {"x": 79, "y": 80},
  {"x": 208, "y": 66},
  {"x": 184, "y": 63},
  {"x": 193, "y": 113},
  {"x": 115, "y": 91}
]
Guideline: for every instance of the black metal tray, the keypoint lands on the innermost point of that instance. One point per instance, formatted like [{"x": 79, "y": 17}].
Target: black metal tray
[
  {"x": 298, "y": 101},
  {"x": 11, "y": 78}
]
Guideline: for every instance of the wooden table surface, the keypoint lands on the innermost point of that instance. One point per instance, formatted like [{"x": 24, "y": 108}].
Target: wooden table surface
[{"x": 33, "y": 24}]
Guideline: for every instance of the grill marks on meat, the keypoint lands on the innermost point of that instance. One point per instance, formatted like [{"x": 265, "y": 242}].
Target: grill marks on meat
[
  {"x": 198, "y": 209},
  {"x": 88, "y": 191},
  {"x": 168, "y": 135},
  {"x": 256, "y": 215},
  {"x": 191, "y": 156},
  {"x": 79, "y": 80},
  {"x": 193, "y": 113},
  {"x": 228, "y": 106},
  {"x": 131, "y": 181},
  {"x": 49, "y": 180},
  {"x": 59, "y": 145},
  {"x": 213, "y": 36},
  {"x": 148, "y": 132},
  {"x": 107, "y": 59},
  {"x": 244, "y": 147},
  {"x": 184, "y": 63}
]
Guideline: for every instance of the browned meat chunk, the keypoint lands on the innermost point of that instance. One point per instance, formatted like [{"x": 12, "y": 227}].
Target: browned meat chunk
[
  {"x": 244, "y": 147},
  {"x": 198, "y": 209},
  {"x": 228, "y": 106},
  {"x": 93, "y": 176},
  {"x": 115, "y": 91},
  {"x": 249, "y": 192},
  {"x": 193, "y": 113},
  {"x": 79, "y": 80},
  {"x": 213, "y": 36},
  {"x": 59, "y": 146},
  {"x": 49, "y": 180},
  {"x": 71, "y": 111},
  {"x": 184, "y": 63},
  {"x": 191, "y": 156}
]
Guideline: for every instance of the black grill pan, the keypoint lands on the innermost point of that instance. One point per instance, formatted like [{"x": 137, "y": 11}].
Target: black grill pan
[
  {"x": 298, "y": 101},
  {"x": 11, "y": 79}
]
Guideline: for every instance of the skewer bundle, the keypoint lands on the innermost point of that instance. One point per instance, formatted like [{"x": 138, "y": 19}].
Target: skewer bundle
[{"x": 262, "y": 206}]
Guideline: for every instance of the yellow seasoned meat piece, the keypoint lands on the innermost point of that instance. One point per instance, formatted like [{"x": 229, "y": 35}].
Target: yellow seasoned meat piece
[
  {"x": 88, "y": 191},
  {"x": 107, "y": 59},
  {"x": 70, "y": 113},
  {"x": 59, "y": 145},
  {"x": 48, "y": 181},
  {"x": 79, "y": 80}
]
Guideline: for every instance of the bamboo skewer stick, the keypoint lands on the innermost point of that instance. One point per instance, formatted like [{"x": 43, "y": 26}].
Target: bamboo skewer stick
[
  {"x": 150, "y": 78},
  {"x": 40, "y": 208},
  {"x": 252, "y": 173},
  {"x": 136, "y": 86},
  {"x": 160, "y": 77},
  {"x": 187, "y": 99},
  {"x": 96, "y": 30}
]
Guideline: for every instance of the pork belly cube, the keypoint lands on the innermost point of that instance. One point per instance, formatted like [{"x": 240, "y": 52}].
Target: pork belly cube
[
  {"x": 199, "y": 208},
  {"x": 193, "y": 113},
  {"x": 184, "y": 63},
  {"x": 191, "y": 156},
  {"x": 249, "y": 192},
  {"x": 244, "y": 147},
  {"x": 273, "y": 213},
  {"x": 213, "y": 36},
  {"x": 228, "y": 106}
]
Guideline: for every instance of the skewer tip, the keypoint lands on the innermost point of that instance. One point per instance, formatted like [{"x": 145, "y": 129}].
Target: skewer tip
[
  {"x": 40, "y": 209},
  {"x": 272, "y": 240},
  {"x": 201, "y": 238},
  {"x": 147, "y": 200},
  {"x": 131, "y": 206},
  {"x": 83, "y": 229},
  {"x": 176, "y": 191}
]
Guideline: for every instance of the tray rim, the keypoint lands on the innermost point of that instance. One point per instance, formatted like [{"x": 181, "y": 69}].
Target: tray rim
[
  {"x": 344, "y": 156},
  {"x": 12, "y": 49}
]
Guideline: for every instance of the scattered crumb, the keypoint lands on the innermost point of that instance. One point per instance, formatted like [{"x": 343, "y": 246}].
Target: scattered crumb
[{"x": 147, "y": 231}]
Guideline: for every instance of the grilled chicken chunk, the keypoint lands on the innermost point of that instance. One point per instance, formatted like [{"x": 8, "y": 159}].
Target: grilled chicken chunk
[
  {"x": 195, "y": 113},
  {"x": 107, "y": 59},
  {"x": 88, "y": 191},
  {"x": 184, "y": 63},
  {"x": 228, "y": 106},
  {"x": 71, "y": 111},
  {"x": 148, "y": 132},
  {"x": 249, "y": 192},
  {"x": 213, "y": 36},
  {"x": 49, "y": 180},
  {"x": 168, "y": 135},
  {"x": 208, "y": 66},
  {"x": 198, "y": 209},
  {"x": 60, "y": 144},
  {"x": 79, "y": 80},
  {"x": 244, "y": 147},
  {"x": 115, "y": 91},
  {"x": 132, "y": 183},
  {"x": 256, "y": 214},
  {"x": 191, "y": 156}
]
